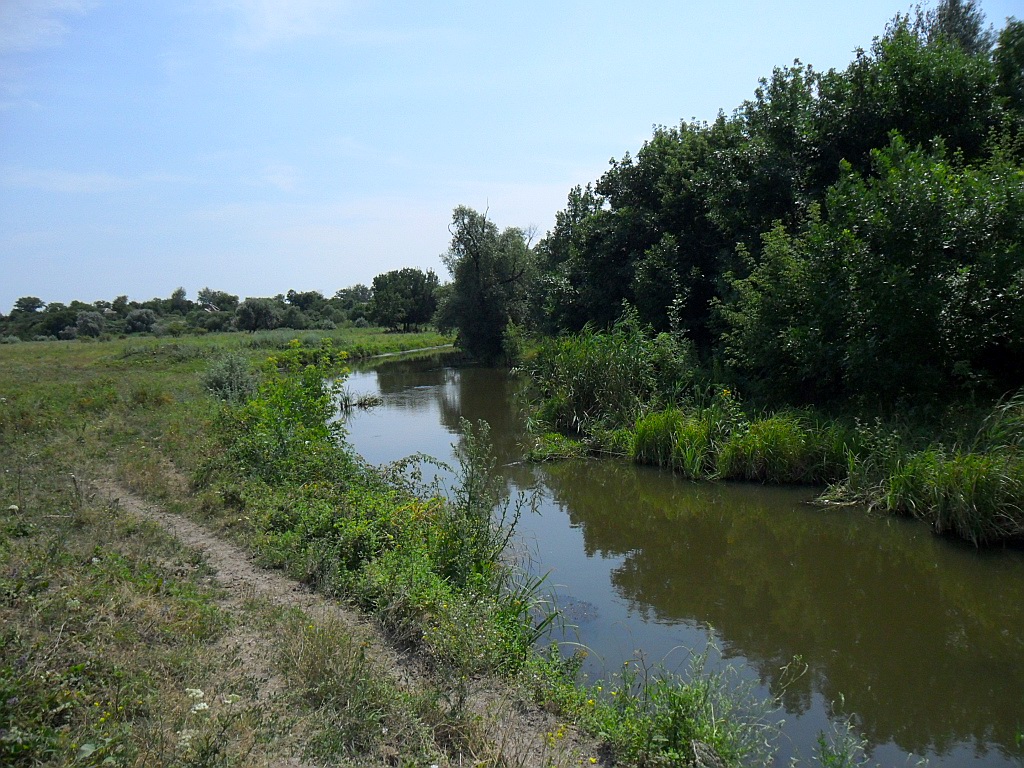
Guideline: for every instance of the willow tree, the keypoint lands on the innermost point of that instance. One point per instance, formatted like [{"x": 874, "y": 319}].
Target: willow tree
[{"x": 493, "y": 273}]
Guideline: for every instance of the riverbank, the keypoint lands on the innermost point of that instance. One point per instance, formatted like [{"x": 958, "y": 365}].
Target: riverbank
[
  {"x": 127, "y": 642},
  {"x": 959, "y": 468},
  {"x": 128, "y": 645}
]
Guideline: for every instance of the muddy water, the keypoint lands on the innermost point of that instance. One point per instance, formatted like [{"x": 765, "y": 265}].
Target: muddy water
[{"x": 919, "y": 639}]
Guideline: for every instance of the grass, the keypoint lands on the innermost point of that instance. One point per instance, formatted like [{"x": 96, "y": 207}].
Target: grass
[
  {"x": 650, "y": 716},
  {"x": 116, "y": 648}
]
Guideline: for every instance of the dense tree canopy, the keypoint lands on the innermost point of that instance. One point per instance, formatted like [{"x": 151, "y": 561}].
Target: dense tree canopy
[
  {"x": 403, "y": 298},
  {"x": 850, "y": 232}
]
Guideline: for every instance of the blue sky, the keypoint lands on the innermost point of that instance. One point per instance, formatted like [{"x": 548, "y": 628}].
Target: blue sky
[{"x": 257, "y": 146}]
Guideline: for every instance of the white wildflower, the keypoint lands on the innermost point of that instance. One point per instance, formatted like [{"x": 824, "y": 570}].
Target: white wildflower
[
  {"x": 185, "y": 737},
  {"x": 200, "y": 706},
  {"x": 195, "y": 693}
]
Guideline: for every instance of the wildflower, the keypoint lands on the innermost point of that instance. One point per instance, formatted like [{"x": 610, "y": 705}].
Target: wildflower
[
  {"x": 195, "y": 693},
  {"x": 593, "y": 761},
  {"x": 232, "y": 698},
  {"x": 13, "y": 509},
  {"x": 200, "y": 706}
]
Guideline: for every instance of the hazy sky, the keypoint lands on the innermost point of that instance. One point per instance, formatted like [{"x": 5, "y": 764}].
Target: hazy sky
[{"x": 255, "y": 146}]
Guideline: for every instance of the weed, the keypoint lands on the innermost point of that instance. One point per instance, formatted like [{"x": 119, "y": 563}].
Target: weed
[{"x": 230, "y": 378}]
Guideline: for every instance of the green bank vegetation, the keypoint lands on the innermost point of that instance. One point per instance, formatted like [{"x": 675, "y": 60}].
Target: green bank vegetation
[
  {"x": 119, "y": 648},
  {"x": 631, "y": 393}
]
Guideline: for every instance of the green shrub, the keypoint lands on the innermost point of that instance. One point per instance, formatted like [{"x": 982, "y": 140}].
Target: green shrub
[
  {"x": 783, "y": 448},
  {"x": 608, "y": 380},
  {"x": 230, "y": 378}
]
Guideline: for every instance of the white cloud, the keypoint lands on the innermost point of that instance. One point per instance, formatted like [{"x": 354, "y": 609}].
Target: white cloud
[
  {"x": 280, "y": 176},
  {"x": 264, "y": 23},
  {"x": 26, "y": 25}
]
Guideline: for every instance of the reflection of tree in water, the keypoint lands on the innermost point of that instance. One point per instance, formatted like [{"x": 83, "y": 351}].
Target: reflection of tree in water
[
  {"x": 921, "y": 637},
  {"x": 465, "y": 391},
  {"x": 398, "y": 376}
]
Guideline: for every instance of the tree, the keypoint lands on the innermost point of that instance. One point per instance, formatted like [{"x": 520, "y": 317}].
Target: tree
[
  {"x": 493, "y": 275},
  {"x": 140, "y": 321},
  {"x": 957, "y": 22},
  {"x": 258, "y": 314},
  {"x": 217, "y": 301},
  {"x": 403, "y": 298},
  {"x": 1009, "y": 63},
  {"x": 28, "y": 304},
  {"x": 178, "y": 303},
  {"x": 307, "y": 301},
  {"x": 89, "y": 324}
]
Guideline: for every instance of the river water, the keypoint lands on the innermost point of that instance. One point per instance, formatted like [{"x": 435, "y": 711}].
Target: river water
[{"x": 917, "y": 638}]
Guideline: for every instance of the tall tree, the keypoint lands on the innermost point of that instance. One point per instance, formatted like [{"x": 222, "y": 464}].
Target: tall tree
[
  {"x": 493, "y": 274},
  {"x": 958, "y": 22},
  {"x": 404, "y": 298}
]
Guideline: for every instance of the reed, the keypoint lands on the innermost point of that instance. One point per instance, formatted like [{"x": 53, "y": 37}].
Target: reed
[
  {"x": 784, "y": 448},
  {"x": 593, "y": 379},
  {"x": 976, "y": 496}
]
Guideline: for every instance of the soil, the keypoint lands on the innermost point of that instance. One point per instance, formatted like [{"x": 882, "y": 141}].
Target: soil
[{"x": 521, "y": 731}]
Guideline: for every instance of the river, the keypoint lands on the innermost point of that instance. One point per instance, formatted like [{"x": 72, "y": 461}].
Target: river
[{"x": 918, "y": 638}]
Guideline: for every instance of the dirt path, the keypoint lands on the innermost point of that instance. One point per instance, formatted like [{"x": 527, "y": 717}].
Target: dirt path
[{"x": 522, "y": 733}]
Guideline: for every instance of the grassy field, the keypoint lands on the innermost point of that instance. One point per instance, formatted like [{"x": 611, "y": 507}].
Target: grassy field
[{"x": 118, "y": 645}]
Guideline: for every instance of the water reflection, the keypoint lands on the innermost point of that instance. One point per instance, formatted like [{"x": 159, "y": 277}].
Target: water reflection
[{"x": 921, "y": 638}]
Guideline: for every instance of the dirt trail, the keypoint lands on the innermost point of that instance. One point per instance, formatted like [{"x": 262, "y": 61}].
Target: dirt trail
[{"x": 521, "y": 732}]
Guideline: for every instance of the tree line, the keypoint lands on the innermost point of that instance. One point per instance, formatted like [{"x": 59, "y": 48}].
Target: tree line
[
  {"x": 849, "y": 233},
  {"x": 402, "y": 299},
  {"x": 31, "y": 318}
]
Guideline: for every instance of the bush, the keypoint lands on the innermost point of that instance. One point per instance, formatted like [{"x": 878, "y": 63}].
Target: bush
[
  {"x": 140, "y": 321},
  {"x": 609, "y": 380},
  {"x": 230, "y": 378},
  {"x": 90, "y": 324},
  {"x": 977, "y": 496}
]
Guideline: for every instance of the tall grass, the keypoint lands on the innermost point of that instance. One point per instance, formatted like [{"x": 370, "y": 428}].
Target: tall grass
[
  {"x": 607, "y": 380},
  {"x": 976, "y": 496},
  {"x": 718, "y": 442}
]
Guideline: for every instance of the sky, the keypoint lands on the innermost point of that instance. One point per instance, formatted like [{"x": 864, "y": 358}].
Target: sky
[{"x": 257, "y": 146}]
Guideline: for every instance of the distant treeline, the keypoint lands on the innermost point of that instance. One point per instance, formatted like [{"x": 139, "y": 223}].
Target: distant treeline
[{"x": 32, "y": 319}]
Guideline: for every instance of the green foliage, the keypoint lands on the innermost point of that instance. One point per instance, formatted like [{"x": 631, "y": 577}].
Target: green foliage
[
  {"x": 649, "y": 716},
  {"x": 403, "y": 298},
  {"x": 429, "y": 567},
  {"x": 911, "y": 286},
  {"x": 783, "y": 448},
  {"x": 89, "y": 324},
  {"x": 286, "y": 432},
  {"x": 230, "y": 378},
  {"x": 608, "y": 380},
  {"x": 258, "y": 314},
  {"x": 492, "y": 275},
  {"x": 140, "y": 321},
  {"x": 976, "y": 496}
]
